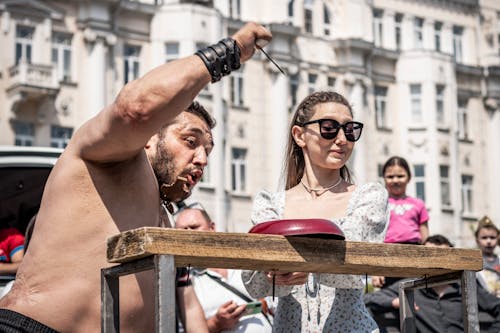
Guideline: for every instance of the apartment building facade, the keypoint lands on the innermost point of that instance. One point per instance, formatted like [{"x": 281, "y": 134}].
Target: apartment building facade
[{"x": 423, "y": 76}]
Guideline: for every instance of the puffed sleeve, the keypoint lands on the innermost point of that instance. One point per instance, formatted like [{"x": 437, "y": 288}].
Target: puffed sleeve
[
  {"x": 266, "y": 207},
  {"x": 370, "y": 212}
]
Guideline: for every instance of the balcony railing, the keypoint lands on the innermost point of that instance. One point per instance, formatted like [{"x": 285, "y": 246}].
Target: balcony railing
[{"x": 35, "y": 78}]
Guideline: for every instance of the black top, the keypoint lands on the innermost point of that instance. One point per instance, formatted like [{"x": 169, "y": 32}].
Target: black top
[{"x": 439, "y": 315}]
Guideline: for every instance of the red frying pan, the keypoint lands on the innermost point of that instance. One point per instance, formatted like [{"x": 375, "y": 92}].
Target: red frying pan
[{"x": 318, "y": 228}]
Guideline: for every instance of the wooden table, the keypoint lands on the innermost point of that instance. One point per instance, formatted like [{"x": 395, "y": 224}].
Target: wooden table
[{"x": 164, "y": 249}]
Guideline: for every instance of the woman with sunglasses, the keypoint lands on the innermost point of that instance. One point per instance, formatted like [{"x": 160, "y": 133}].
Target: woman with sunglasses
[{"x": 318, "y": 185}]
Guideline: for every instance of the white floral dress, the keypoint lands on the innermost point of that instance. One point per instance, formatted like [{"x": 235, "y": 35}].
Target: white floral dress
[{"x": 329, "y": 302}]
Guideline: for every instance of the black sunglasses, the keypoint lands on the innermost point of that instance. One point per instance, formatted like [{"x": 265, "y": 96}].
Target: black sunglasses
[{"x": 329, "y": 128}]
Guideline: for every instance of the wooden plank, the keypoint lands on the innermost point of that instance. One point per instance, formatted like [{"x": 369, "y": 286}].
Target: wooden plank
[{"x": 271, "y": 252}]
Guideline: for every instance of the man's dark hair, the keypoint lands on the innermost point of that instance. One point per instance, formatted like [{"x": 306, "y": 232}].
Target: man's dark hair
[
  {"x": 438, "y": 240},
  {"x": 198, "y": 109}
]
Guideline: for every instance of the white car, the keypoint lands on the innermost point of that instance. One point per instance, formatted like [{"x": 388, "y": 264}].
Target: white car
[{"x": 23, "y": 174}]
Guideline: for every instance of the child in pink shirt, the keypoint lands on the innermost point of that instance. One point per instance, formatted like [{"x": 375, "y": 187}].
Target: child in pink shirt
[{"x": 409, "y": 217}]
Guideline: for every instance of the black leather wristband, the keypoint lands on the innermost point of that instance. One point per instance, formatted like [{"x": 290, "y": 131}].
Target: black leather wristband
[{"x": 221, "y": 58}]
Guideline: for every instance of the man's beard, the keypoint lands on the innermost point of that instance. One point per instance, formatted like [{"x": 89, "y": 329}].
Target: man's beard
[{"x": 172, "y": 187}]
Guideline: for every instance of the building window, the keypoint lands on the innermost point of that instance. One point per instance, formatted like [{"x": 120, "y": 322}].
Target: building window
[
  {"x": 381, "y": 107},
  {"x": 24, "y": 133},
  {"x": 498, "y": 44},
  {"x": 238, "y": 170},
  {"x": 24, "y": 41},
  {"x": 444, "y": 179},
  {"x": 60, "y": 136},
  {"x": 398, "y": 22},
  {"x": 462, "y": 119},
  {"x": 172, "y": 51},
  {"x": 418, "y": 26},
  {"x": 440, "y": 104},
  {"x": 380, "y": 173},
  {"x": 457, "y": 43},
  {"x": 377, "y": 27},
  {"x": 235, "y": 9},
  {"x": 308, "y": 16},
  {"x": 326, "y": 19},
  {"x": 290, "y": 11},
  {"x": 467, "y": 194},
  {"x": 131, "y": 62},
  {"x": 294, "y": 87},
  {"x": 61, "y": 55},
  {"x": 330, "y": 81},
  {"x": 438, "y": 27},
  {"x": 311, "y": 80},
  {"x": 206, "y": 179},
  {"x": 416, "y": 102},
  {"x": 419, "y": 171},
  {"x": 236, "y": 87}
]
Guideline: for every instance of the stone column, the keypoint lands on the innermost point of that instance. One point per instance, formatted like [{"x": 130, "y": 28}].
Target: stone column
[
  {"x": 407, "y": 33},
  {"x": 428, "y": 34},
  {"x": 358, "y": 157},
  {"x": 96, "y": 72},
  {"x": 389, "y": 34},
  {"x": 494, "y": 160},
  {"x": 447, "y": 38}
]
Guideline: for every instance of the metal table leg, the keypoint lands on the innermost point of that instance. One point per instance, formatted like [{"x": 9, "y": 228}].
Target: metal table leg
[
  {"x": 165, "y": 293},
  {"x": 164, "y": 267},
  {"x": 469, "y": 299}
]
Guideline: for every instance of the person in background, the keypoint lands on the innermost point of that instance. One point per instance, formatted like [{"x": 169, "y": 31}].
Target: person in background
[
  {"x": 437, "y": 309},
  {"x": 487, "y": 240},
  {"x": 321, "y": 139},
  {"x": 11, "y": 250},
  {"x": 11, "y": 254},
  {"x": 220, "y": 291},
  {"x": 20, "y": 244},
  {"x": 188, "y": 308},
  {"x": 409, "y": 217}
]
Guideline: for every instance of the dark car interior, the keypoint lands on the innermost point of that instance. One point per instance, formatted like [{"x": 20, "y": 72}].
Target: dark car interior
[{"x": 21, "y": 191}]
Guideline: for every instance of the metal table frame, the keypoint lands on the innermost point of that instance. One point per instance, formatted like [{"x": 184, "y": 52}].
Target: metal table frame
[
  {"x": 469, "y": 299},
  {"x": 164, "y": 268}
]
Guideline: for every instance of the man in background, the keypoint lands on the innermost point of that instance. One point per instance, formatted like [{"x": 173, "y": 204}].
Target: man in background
[
  {"x": 220, "y": 291},
  {"x": 437, "y": 309}
]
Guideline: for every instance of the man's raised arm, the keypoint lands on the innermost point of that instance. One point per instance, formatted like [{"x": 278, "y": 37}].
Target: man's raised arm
[{"x": 121, "y": 130}]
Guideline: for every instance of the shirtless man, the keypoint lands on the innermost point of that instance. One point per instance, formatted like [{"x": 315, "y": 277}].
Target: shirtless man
[{"x": 107, "y": 181}]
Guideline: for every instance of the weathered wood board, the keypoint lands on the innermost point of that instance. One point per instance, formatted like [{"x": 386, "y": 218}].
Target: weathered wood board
[{"x": 272, "y": 252}]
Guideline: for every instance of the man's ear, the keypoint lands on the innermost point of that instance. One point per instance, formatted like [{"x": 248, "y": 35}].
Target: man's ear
[
  {"x": 212, "y": 226},
  {"x": 298, "y": 135}
]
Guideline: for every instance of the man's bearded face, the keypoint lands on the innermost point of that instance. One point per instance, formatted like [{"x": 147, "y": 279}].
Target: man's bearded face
[{"x": 171, "y": 188}]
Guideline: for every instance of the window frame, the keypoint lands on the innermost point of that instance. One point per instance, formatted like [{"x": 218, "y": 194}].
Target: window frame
[
  {"x": 381, "y": 117},
  {"x": 24, "y": 44},
  {"x": 418, "y": 32},
  {"x": 131, "y": 62},
  {"x": 419, "y": 180},
  {"x": 467, "y": 194},
  {"x": 378, "y": 27},
  {"x": 239, "y": 168},
  {"x": 60, "y": 141},
  {"x": 416, "y": 114},
  {"x": 61, "y": 47}
]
